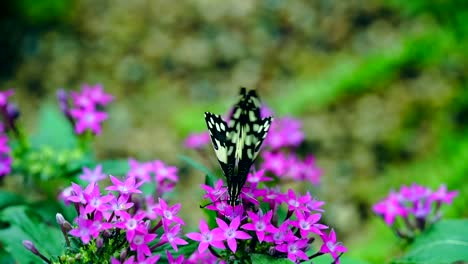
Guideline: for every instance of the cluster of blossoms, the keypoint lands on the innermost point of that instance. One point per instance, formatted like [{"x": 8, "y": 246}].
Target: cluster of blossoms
[
  {"x": 85, "y": 109},
  {"x": 270, "y": 222},
  {"x": 119, "y": 221},
  {"x": 9, "y": 113},
  {"x": 413, "y": 208},
  {"x": 278, "y": 156}
]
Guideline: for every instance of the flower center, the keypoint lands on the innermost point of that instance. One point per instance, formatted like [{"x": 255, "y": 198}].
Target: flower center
[
  {"x": 131, "y": 224},
  {"x": 294, "y": 203},
  {"x": 230, "y": 233},
  {"x": 305, "y": 225},
  {"x": 138, "y": 240},
  {"x": 207, "y": 237},
  {"x": 168, "y": 214},
  {"x": 293, "y": 248},
  {"x": 260, "y": 226}
]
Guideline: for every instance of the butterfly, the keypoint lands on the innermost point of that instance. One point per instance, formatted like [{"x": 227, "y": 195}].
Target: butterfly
[{"x": 237, "y": 142}]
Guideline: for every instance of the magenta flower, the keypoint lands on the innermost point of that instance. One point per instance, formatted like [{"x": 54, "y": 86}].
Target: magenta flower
[
  {"x": 142, "y": 171},
  {"x": 294, "y": 249},
  {"x": 310, "y": 172},
  {"x": 96, "y": 94},
  {"x": 207, "y": 237},
  {"x": 169, "y": 214},
  {"x": 171, "y": 260},
  {"x": 131, "y": 224},
  {"x": 275, "y": 162},
  {"x": 294, "y": 202},
  {"x": 85, "y": 230},
  {"x": 390, "y": 208},
  {"x": 258, "y": 176},
  {"x": 96, "y": 202},
  {"x": 331, "y": 246},
  {"x": 260, "y": 224},
  {"x": 164, "y": 172},
  {"x": 129, "y": 186},
  {"x": 441, "y": 195},
  {"x": 308, "y": 224},
  {"x": 216, "y": 192},
  {"x": 93, "y": 175},
  {"x": 171, "y": 236},
  {"x": 4, "y": 97},
  {"x": 120, "y": 204},
  {"x": 197, "y": 140},
  {"x": 231, "y": 233},
  {"x": 88, "y": 119},
  {"x": 140, "y": 244}
]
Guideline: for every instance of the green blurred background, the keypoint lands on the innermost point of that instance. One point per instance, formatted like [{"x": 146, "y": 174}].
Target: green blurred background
[{"x": 381, "y": 86}]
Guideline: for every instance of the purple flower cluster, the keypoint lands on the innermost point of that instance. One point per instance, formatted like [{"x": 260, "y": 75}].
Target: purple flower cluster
[
  {"x": 9, "y": 113},
  {"x": 122, "y": 210},
  {"x": 418, "y": 207},
  {"x": 86, "y": 108},
  {"x": 278, "y": 157},
  {"x": 255, "y": 225},
  {"x": 5, "y": 158}
]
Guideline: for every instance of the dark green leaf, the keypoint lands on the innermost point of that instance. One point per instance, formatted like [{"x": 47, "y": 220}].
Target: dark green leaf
[
  {"x": 54, "y": 129},
  {"x": 9, "y": 199},
  {"x": 25, "y": 225},
  {"x": 210, "y": 177},
  {"x": 445, "y": 242},
  {"x": 265, "y": 259}
]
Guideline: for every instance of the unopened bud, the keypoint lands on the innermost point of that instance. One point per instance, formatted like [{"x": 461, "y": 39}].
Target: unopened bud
[
  {"x": 12, "y": 111},
  {"x": 64, "y": 224},
  {"x": 29, "y": 245},
  {"x": 99, "y": 242},
  {"x": 123, "y": 254}
]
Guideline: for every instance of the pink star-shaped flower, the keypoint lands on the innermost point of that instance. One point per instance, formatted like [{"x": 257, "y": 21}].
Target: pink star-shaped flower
[{"x": 231, "y": 232}]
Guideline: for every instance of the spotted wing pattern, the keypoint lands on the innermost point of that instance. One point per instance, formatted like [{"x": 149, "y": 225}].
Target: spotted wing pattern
[{"x": 237, "y": 145}]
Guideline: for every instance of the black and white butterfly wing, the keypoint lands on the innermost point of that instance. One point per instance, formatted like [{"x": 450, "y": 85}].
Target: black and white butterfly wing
[{"x": 222, "y": 145}]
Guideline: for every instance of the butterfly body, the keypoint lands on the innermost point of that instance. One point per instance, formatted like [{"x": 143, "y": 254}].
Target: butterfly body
[{"x": 238, "y": 143}]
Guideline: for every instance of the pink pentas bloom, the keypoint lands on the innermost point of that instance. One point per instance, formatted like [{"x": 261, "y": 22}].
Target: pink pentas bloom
[
  {"x": 261, "y": 224},
  {"x": 171, "y": 236},
  {"x": 207, "y": 237},
  {"x": 100, "y": 223},
  {"x": 78, "y": 194},
  {"x": 294, "y": 249},
  {"x": 204, "y": 257},
  {"x": 231, "y": 232},
  {"x": 285, "y": 132},
  {"x": 197, "y": 140},
  {"x": 131, "y": 224},
  {"x": 88, "y": 119},
  {"x": 216, "y": 192},
  {"x": 96, "y": 94},
  {"x": 414, "y": 192},
  {"x": 128, "y": 186},
  {"x": 276, "y": 162},
  {"x": 172, "y": 260},
  {"x": 310, "y": 172},
  {"x": 142, "y": 171},
  {"x": 442, "y": 196},
  {"x": 331, "y": 246},
  {"x": 140, "y": 244},
  {"x": 282, "y": 235},
  {"x": 96, "y": 202},
  {"x": 4, "y": 97},
  {"x": 308, "y": 223},
  {"x": 296, "y": 202},
  {"x": 390, "y": 208},
  {"x": 4, "y": 148},
  {"x": 82, "y": 100},
  {"x": 93, "y": 175},
  {"x": 120, "y": 204},
  {"x": 169, "y": 214},
  {"x": 85, "y": 230},
  {"x": 164, "y": 172},
  {"x": 258, "y": 176}
]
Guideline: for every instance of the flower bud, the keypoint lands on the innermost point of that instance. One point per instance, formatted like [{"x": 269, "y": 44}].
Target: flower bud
[{"x": 29, "y": 245}]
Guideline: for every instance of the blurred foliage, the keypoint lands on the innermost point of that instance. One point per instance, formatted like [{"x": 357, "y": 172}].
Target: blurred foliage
[{"x": 382, "y": 86}]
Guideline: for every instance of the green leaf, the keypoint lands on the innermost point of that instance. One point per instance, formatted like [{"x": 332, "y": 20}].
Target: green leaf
[
  {"x": 9, "y": 199},
  {"x": 25, "y": 225},
  {"x": 115, "y": 167},
  {"x": 444, "y": 242},
  {"x": 327, "y": 259},
  {"x": 54, "y": 129},
  {"x": 210, "y": 177},
  {"x": 265, "y": 259}
]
